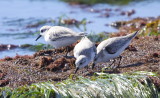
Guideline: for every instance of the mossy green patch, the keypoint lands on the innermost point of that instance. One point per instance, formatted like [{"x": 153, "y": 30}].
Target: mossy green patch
[{"x": 126, "y": 85}]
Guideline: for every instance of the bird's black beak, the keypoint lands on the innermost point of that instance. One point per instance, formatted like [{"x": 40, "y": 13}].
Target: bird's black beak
[
  {"x": 93, "y": 65},
  {"x": 38, "y": 37},
  {"x": 76, "y": 70}
]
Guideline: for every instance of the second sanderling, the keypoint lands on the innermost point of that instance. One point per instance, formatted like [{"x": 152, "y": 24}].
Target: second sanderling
[
  {"x": 112, "y": 48},
  {"x": 84, "y": 52},
  {"x": 59, "y": 36}
]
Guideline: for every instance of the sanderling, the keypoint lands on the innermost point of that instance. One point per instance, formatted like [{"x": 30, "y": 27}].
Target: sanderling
[
  {"x": 59, "y": 36},
  {"x": 112, "y": 48},
  {"x": 84, "y": 52}
]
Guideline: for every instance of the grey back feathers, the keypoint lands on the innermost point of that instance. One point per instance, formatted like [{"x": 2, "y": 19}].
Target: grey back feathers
[
  {"x": 112, "y": 47},
  {"x": 119, "y": 42},
  {"x": 58, "y": 32}
]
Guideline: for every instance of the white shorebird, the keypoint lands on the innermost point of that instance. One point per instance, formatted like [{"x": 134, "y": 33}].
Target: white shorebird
[
  {"x": 59, "y": 36},
  {"x": 112, "y": 48},
  {"x": 84, "y": 52}
]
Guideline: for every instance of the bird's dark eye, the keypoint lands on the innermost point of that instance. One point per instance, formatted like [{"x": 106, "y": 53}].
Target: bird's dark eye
[
  {"x": 43, "y": 30},
  {"x": 81, "y": 63}
]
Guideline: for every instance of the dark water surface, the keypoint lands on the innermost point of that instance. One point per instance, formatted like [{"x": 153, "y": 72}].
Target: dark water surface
[{"x": 15, "y": 15}]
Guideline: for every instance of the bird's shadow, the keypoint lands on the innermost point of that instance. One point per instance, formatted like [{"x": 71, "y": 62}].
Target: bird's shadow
[{"x": 132, "y": 65}]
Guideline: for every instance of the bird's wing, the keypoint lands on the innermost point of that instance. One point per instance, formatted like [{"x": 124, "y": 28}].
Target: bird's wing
[
  {"x": 61, "y": 35},
  {"x": 54, "y": 38},
  {"x": 118, "y": 42},
  {"x": 63, "y": 31},
  {"x": 60, "y": 32},
  {"x": 115, "y": 45}
]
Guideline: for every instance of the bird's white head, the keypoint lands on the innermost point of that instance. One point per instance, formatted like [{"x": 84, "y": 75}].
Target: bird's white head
[
  {"x": 81, "y": 62},
  {"x": 44, "y": 29}
]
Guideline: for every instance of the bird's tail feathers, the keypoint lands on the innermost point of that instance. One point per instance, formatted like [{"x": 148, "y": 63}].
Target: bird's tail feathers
[
  {"x": 82, "y": 34},
  {"x": 132, "y": 35}
]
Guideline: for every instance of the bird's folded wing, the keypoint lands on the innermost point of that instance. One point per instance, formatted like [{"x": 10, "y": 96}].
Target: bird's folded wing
[
  {"x": 55, "y": 38},
  {"x": 115, "y": 45}
]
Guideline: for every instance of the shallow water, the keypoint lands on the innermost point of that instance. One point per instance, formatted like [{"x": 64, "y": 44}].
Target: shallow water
[{"x": 15, "y": 15}]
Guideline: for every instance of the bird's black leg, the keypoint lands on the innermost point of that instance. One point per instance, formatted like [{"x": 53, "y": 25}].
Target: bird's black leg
[
  {"x": 67, "y": 50},
  {"x": 120, "y": 58},
  {"x": 112, "y": 63},
  {"x": 108, "y": 67},
  {"x": 93, "y": 65}
]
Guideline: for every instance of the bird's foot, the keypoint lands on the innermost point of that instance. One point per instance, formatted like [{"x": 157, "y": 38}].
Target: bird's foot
[{"x": 106, "y": 68}]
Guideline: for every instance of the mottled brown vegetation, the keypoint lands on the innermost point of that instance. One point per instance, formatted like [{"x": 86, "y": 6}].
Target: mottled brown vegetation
[
  {"x": 70, "y": 21},
  {"x": 3, "y": 82},
  {"x": 151, "y": 26},
  {"x": 16, "y": 57},
  {"x": 61, "y": 63}
]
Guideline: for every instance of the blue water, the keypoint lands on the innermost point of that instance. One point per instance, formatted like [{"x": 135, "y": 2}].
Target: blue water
[{"x": 28, "y": 11}]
